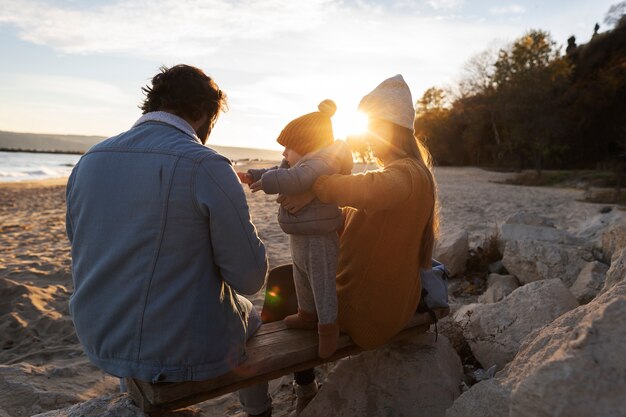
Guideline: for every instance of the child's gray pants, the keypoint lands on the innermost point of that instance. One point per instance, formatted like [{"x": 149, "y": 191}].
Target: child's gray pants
[{"x": 314, "y": 272}]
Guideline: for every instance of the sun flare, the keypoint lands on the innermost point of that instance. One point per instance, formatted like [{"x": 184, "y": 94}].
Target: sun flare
[{"x": 349, "y": 123}]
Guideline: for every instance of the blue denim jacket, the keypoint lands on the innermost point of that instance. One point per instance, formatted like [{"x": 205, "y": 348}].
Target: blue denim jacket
[{"x": 161, "y": 243}]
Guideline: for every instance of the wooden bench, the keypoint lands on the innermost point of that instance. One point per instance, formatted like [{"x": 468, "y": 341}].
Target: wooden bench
[{"x": 272, "y": 352}]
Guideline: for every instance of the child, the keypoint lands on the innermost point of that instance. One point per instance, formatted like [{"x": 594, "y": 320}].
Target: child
[{"x": 310, "y": 151}]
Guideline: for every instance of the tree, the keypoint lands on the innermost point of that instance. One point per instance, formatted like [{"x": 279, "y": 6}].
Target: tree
[
  {"x": 615, "y": 14},
  {"x": 528, "y": 76}
]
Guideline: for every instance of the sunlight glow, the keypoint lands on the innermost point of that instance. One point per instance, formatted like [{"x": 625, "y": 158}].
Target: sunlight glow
[{"x": 349, "y": 123}]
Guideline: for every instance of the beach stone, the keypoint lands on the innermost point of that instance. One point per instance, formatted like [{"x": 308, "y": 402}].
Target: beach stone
[
  {"x": 452, "y": 250},
  {"x": 496, "y": 267},
  {"x": 589, "y": 282},
  {"x": 573, "y": 367},
  {"x": 614, "y": 239},
  {"x": 417, "y": 377},
  {"x": 576, "y": 366},
  {"x": 498, "y": 287},
  {"x": 462, "y": 314},
  {"x": 617, "y": 271},
  {"x": 495, "y": 331},
  {"x": 485, "y": 399},
  {"x": 529, "y": 219},
  {"x": 110, "y": 406},
  {"x": 596, "y": 229},
  {"x": 536, "y": 253}
]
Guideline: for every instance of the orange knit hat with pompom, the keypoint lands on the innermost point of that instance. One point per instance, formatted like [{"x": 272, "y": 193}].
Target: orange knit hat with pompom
[{"x": 310, "y": 132}]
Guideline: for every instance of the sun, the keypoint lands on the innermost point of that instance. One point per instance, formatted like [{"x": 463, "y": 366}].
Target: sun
[{"x": 348, "y": 123}]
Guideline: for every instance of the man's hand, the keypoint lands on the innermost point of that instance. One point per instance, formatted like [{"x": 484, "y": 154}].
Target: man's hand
[
  {"x": 245, "y": 178},
  {"x": 294, "y": 203}
]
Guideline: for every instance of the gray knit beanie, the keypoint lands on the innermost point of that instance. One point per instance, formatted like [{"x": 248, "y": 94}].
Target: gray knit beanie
[{"x": 390, "y": 101}]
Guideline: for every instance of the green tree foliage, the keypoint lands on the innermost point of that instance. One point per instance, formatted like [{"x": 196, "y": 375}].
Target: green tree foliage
[{"x": 530, "y": 106}]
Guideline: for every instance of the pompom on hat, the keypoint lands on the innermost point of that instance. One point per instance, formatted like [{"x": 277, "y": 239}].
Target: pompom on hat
[
  {"x": 310, "y": 132},
  {"x": 390, "y": 101}
]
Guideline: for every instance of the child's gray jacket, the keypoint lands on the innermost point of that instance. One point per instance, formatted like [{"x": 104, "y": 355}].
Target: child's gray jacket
[{"x": 316, "y": 218}]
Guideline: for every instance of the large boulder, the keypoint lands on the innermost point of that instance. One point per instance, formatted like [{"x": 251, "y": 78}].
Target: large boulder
[
  {"x": 534, "y": 253},
  {"x": 533, "y": 249},
  {"x": 495, "y": 331},
  {"x": 498, "y": 287},
  {"x": 417, "y": 377},
  {"x": 614, "y": 239},
  {"x": 577, "y": 364},
  {"x": 485, "y": 399},
  {"x": 595, "y": 228},
  {"x": 573, "y": 367},
  {"x": 589, "y": 282},
  {"x": 617, "y": 271},
  {"x": 452, "y": 249}
]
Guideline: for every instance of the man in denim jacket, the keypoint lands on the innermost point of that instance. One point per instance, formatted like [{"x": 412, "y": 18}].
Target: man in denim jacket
[{"x": 162, "y": 243}]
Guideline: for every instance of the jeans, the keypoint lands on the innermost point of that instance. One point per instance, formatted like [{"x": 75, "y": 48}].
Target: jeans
[{"x": 255, "y": 399}]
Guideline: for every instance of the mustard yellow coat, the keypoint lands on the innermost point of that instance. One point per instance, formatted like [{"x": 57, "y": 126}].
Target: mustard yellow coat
[{"x": 378, "y": 281}]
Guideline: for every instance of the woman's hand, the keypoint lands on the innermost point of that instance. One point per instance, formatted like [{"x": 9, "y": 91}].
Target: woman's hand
[
  {"x": 294, "y": 203},
  {"x": 257, "y": 186}
]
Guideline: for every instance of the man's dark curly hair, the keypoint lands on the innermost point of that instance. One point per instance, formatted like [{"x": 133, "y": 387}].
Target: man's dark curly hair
[{"x": 185, "y": 91}]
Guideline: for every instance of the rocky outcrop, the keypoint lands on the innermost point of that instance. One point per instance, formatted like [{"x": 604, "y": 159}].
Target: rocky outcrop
[
  {"x": 534, "y": 253},
  {"x": 485, "y": 399},
  {"x": 573, "y": 367},
  {"x": 110, "y": 406},
  {"x": 498, "y": 287},
  {"x": 495, "y": 331},
  {"x": 415, "y": 377},
  {"x": 595, "y": 228},
  {"x": 589, "y": 282},
  {"x": 617, "y": 271},
  {"x": 614, "y": 239},
  {"x": 451, "y": 249}
]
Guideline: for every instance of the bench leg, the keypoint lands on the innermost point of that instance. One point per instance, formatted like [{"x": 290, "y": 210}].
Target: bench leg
[{"x": 138, "y": 397}]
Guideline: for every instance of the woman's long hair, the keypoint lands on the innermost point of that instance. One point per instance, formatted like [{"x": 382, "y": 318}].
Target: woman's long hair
[{"x": 404, "y": 144}]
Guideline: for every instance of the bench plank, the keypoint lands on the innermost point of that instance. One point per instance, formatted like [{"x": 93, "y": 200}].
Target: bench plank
[{"x": 272, "y": 352}]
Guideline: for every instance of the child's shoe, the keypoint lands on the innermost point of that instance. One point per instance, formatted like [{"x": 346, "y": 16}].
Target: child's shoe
[
  {"x": 328, "y": 338},
  {"x": 301, "y": 320}
]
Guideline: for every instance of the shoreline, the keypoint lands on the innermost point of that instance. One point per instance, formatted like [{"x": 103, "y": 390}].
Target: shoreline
[{"x": 44, "y": 182}]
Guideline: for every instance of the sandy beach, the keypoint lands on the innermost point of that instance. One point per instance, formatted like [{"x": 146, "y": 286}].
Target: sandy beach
[{"x": 42, "y": 366}]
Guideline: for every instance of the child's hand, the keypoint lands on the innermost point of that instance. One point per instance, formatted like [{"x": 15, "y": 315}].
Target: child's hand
[
  {"x": 245, "y": 178},
  {"x": 257, "y": 186}
]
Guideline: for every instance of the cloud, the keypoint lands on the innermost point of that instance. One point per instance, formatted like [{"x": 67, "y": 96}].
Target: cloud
[
  {"x": 276, "y": 59},
  {"x": 160, "y": 27},
  {"x": 445, "y": 4},
  {"x": 510, "y": 9}
]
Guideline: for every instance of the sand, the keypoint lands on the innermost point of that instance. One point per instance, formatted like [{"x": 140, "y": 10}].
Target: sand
[{"x": 42, "y": 366}]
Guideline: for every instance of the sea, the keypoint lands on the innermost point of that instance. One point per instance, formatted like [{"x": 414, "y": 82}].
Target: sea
[{"x": 29, "y": 166}]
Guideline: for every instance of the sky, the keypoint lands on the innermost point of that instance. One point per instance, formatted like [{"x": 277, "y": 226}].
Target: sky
[{"x": 77, "y": 67}]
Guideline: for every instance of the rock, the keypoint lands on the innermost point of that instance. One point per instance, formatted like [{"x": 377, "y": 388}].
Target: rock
[
  {"x": 614, "y": 238},
  {"x": 533, "y": 254},
  {"x": 495, "y": 331},
  {"x": 496, "y": 267},
  {"x": 463, "y": 313},
  {"x": 414, "y": 377},
  {"x": 573, "y": 367},
  {"x": 595, "y": 229},
  {"x": 530, "y": 219},
  {"x": 576, "y": 365},
  {"x": 485, "y": 399},
  {"x": 589, "y": 282},
  {"x": 498, "y": 287},
  {"x": 617, "y": 271},
  {"x": 452, "y": 250},
  {"x": 119, "y": 405},
  {"x": 110, "y": 406}
]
